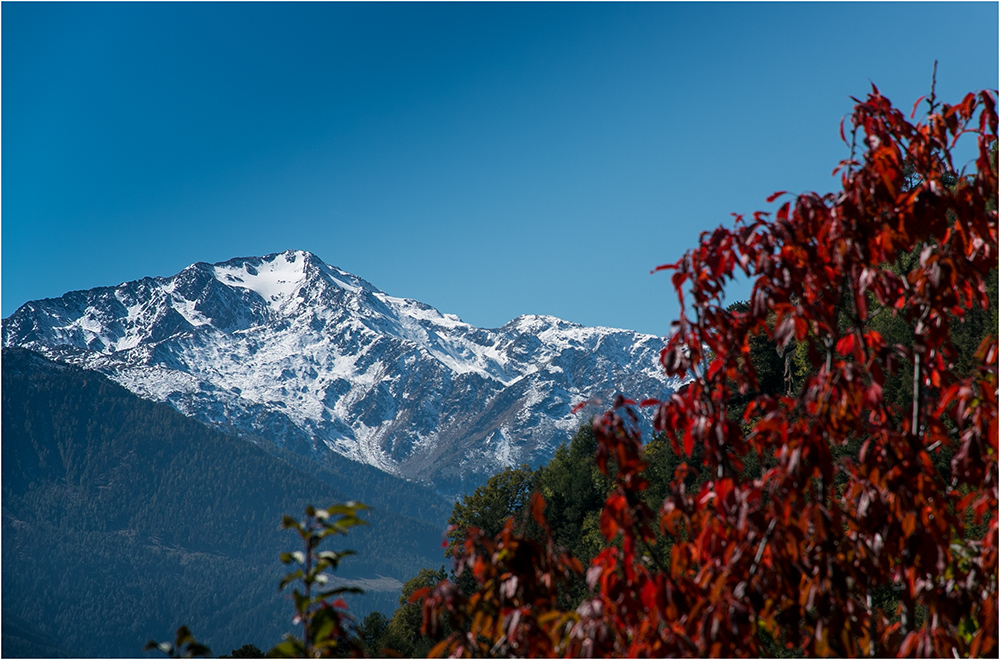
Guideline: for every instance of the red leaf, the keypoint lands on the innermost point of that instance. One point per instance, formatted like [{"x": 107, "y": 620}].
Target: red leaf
[
  {"x": 908, "y": 644},
  {"x": 846, "y": 344},
  {"x": 609, "y": 526},
  {"x": 783, "y": 213},
  {"x": 672, "y": 266},
  {"x": 774, "y": 196},
  {"x": 538, "y": 508},
  {"x": 583, "y": 404},
  {"x": 419, "y": 594},
  {"x": 723, "y": 488},
  {"x": 785, "y": 330},
  {"x": 909, "y": 524}
]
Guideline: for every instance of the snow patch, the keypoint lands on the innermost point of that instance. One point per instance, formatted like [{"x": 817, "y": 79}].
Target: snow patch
[{"x": 275, "y": 281}]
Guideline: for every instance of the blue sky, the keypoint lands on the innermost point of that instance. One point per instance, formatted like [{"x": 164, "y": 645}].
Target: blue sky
[{"x": 488, "y": 159}]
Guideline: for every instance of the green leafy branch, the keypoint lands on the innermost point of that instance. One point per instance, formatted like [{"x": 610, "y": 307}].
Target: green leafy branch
[{"x": 321, "y": 611}]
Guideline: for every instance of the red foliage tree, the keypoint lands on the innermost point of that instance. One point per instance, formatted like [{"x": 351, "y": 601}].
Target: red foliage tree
[{"x": 796, "y": 553}]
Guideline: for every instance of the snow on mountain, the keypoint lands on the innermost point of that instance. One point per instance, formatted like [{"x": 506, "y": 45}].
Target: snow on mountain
[{"x": 311, "y": 357}]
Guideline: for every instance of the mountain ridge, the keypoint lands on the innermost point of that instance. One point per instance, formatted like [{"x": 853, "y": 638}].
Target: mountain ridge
[{"x": 287, "y": 347}]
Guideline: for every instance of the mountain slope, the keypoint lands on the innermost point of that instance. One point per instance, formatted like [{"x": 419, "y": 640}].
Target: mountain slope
[
  {"x": 123, "y": 519},
  {"x": 319, "y": 361}
]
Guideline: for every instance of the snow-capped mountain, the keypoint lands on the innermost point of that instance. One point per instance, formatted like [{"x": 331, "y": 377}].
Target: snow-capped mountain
[{"x": 316, "y": 359}]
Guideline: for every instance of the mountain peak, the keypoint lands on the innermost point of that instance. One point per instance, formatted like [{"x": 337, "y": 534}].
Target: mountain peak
[
  {"x": 537, "y": 322},
  {"x": 275, "y": 278},
  {"x": 316, "y": 360}
]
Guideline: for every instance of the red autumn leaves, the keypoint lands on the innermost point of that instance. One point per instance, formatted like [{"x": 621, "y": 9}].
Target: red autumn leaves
[{"x": 848, "y": 539}]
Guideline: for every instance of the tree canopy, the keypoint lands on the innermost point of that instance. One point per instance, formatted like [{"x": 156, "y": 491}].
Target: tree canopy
[
  {"x": 830, "y": 516},
  {"x": 490, "y": 505}
]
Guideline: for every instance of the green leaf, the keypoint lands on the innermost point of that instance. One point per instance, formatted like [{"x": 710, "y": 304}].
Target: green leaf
[
  {"x": 290, "y": 648},
  {"x": 331, "y": 558},
  {"x": 348, "y": 509},
  {"x": 291, "y": 577},
  {"x": 183, "y": 637},
  {"x": 288, "y": 522},
  {"x": 165, "y": 647},
  {"x": 323, "y": 629},
  {"x": 289, "y": 557}
]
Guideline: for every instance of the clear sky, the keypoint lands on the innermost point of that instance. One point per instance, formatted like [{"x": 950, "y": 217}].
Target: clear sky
[{"x": 491, "y": 160}]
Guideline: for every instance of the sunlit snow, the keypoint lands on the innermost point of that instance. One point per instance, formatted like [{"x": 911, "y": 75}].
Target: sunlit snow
[
  {"x": 275, "y": 281},
  {"x": 388, "y": 381}
]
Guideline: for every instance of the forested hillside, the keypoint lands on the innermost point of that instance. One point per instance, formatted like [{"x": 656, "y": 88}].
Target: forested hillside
[{"x": 123, "y": 519}]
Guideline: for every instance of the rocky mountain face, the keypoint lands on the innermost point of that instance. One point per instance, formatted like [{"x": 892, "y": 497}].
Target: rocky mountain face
[{"x": 317, "y": 360}]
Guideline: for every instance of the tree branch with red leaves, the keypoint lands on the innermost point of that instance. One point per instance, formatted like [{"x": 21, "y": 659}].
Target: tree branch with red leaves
[{"x": 849, "y": 502}]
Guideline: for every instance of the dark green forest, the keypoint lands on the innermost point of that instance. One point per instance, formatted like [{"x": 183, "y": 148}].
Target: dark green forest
[{"x": 123, "y": 519}]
